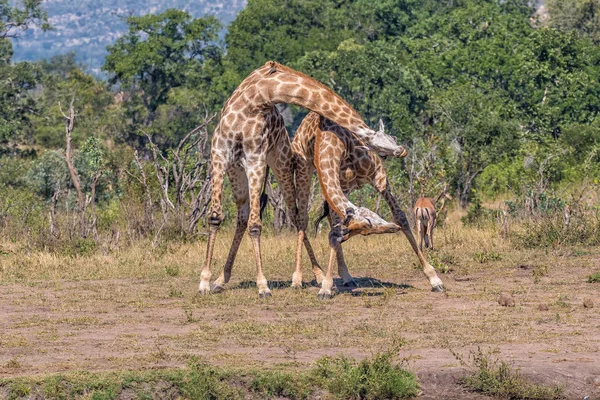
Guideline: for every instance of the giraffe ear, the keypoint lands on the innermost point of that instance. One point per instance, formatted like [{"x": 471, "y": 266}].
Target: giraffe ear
[
  {"x": 381, "y": 127},
  {"x": 273, "y": 68}
]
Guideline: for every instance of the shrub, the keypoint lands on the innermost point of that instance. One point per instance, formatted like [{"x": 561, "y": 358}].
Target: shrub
[
  {"x": 281, "y": 384},
  {"x": 497, "y": 378},
  {"x": 594, "y": 278},
  {"x": 548, "y": 231},
  {"x": 372, "y": 379}
]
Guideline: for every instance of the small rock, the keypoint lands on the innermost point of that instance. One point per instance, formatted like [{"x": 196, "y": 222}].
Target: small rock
[
  {"x": 588, "y": 303},
  {"x": 543, "y": 307},
  {"x": 506, "y": 300},
  {"x": 462, "y": 278}
]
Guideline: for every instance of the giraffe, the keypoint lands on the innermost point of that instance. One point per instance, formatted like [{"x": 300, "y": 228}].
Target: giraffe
[
  {"x": 280, "y": 159},
  {"x": 242, "y": 136},
  {"x": 344, "y": 165}
]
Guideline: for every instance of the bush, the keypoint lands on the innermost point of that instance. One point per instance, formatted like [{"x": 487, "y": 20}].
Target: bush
[
  {"x": 497, "y": 378},
  {"x": 281, "y": 384},
  {"x": 202, "y": 381},
  {"x": 549, "y": 231},
  {"x": 372, "y": 379},
  {"x": 477, "y": 215}
]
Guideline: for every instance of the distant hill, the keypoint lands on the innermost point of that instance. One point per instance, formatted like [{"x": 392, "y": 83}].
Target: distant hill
[{"x": 88, "y": 26}]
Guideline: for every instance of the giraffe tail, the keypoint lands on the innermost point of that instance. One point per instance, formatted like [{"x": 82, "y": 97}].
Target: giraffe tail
[
  {"x": 264, "y": 197},
  {"x": 325, "y": 213}
]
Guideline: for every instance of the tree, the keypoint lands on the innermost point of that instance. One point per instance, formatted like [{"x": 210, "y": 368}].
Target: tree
[
  {"x": 582, "y": 16},
  {"x": 16, "y": 80},
  {"x": 14, "y": 19},
  {"x": 475, "y": 126},
  {"x": 160, "y": 53},
  {"x": 373, "y": 80}
]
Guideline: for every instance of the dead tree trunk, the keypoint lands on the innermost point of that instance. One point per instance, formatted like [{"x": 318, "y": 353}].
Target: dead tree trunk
[
  {"x": 81, "y": 202},
  {"x": 185, "y": 190}
]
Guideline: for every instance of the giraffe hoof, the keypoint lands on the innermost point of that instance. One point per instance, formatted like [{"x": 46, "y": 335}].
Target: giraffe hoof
[
  {"x": 264, "y": 295},
  {"x": 350, "y": 284},
  {"x": 296, "y": 286},
  {"x": 217, "y": 289},
  {"x": 438, "y": 288},
  {"x": 204, "y": 292},
  {"x": 324, "y": 296}
]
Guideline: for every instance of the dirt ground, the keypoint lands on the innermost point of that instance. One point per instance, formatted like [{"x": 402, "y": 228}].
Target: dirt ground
[{"x": 121, "y": 321}]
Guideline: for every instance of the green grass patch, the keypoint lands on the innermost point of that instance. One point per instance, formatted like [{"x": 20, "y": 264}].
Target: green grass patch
[
  {"x": 594, "y": 278},
  {"x": 340, "y": 378},
  {"x": 497, "y": 378},
  {"x": 378, "y": 378},
  {"x": 291, "y": 385}
]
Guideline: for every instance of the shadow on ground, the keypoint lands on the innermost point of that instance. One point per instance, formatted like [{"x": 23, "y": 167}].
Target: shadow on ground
[{"x": 359, "y": 283}]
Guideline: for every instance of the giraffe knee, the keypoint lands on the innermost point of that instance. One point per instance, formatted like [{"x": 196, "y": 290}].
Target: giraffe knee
[
  {"x": 255, "y": 230},
  {"x": 215, "y": 219},
  {"x": 335, "y": 237}
]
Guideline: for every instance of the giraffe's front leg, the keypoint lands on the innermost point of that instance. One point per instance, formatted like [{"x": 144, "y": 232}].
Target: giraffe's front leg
[
  {"x": 400, "y": 218},
  {"x": 240, "y": 227},
  {"x": 327, "y": 287},
  {"x": 218, "y": 168},
  {"x": 341, "y": 262},
  {"x": 304, "y": 172}
]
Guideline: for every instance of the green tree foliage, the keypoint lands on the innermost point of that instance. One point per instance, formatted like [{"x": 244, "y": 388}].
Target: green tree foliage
[
  {"x": 16, "y": 19},
  {"x": 582, "y": 16},
  {"x": 372, "y": 79},
  {"x": 158, "y": 59},
  {"x": 16, "y": 81}
]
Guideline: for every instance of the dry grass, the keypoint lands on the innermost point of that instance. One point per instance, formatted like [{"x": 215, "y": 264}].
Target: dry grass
[{"x": 138, "y": 308}]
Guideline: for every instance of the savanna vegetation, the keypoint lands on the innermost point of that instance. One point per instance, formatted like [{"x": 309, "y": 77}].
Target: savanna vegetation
[
  {"x": 491, "y": 98},
  {"x": 103, "y": 194}
]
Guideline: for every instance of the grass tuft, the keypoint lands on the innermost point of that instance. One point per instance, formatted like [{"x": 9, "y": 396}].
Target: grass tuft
[
  {"x": 378, "y": 378},
  {"x": 497, "y": 378},
  {"x": 271, "y": 384},
  {"x": 594, "y": 278}
]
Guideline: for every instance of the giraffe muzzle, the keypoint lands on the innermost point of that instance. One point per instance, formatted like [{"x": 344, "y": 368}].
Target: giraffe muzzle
[{"x": 401, "y": 153}]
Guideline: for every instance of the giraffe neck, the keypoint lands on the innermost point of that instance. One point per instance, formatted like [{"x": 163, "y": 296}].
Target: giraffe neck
[{"x": 285, "y": 85}]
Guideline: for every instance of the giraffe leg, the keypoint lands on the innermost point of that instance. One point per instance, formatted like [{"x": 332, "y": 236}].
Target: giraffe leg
[
  {"x": 304, "y": 171},
  {"x": 255, "y": 171},
  {"x": 342, "y": 267},
  {"x": 400, "y": 218},
  {"x": 335, "y": 234},
  {"x": 218, "y": 167},
  {"x": 239, "y": 184}
]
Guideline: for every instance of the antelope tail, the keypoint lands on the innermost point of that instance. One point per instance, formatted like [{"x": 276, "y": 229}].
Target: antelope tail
[
  {"x": 264, "y": 197},
  {"x": 325, "y": 213}
]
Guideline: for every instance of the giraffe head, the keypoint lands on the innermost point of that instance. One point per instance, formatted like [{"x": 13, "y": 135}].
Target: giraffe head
[
  {"x": 362, "y": 221},
  {"x": 383, "y": 144}
]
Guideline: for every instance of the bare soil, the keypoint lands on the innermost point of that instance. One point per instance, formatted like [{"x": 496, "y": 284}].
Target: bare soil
[{"x": 54, "y": 326}]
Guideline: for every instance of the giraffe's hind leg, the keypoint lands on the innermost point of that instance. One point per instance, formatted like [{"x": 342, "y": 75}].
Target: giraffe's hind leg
[
  {"x": 239, "y": 184},
  {"x": 256, "y": 164}
]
